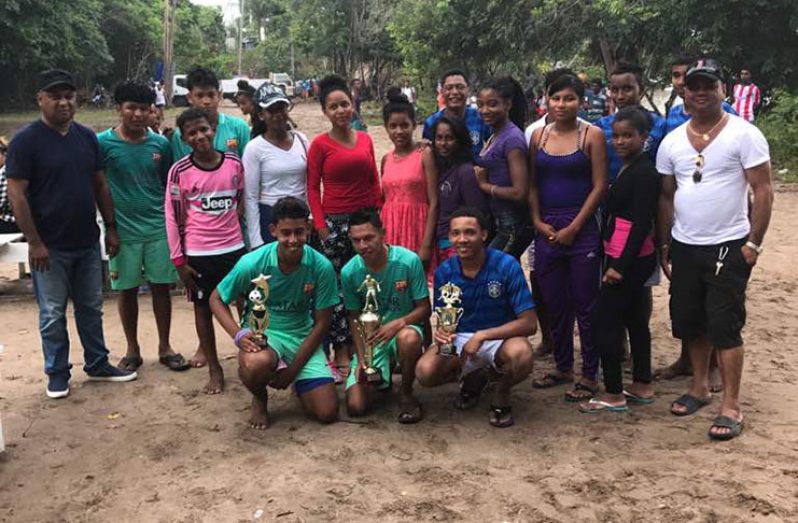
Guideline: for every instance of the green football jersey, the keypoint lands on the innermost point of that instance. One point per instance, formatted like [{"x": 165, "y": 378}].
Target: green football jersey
[
  {"x": 136, "y": 174},
  {"x": 402, "y": 282},
  {"x": 232, "y": 135},
  {"x": 291, "y": 296}
]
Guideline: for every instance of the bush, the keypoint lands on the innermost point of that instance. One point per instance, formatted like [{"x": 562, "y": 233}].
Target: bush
[{"x": 780, "y": 126}]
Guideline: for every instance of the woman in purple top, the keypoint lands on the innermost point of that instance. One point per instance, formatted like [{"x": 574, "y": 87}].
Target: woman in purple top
[
  {"x": 568, "y": 175},
  {"x": 502, "y": 171},
  {"x": 457, "y": 185}
]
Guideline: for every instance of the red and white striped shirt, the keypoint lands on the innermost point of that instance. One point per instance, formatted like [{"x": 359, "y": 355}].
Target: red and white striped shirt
[{"x": 746, "y": 99}]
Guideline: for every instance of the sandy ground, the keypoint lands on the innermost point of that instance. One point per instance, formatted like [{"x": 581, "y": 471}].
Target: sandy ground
[{"x": 159, "y": 450}]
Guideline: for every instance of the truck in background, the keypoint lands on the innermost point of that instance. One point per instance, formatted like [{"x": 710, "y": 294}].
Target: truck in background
[{"x": 229, "y": 87}]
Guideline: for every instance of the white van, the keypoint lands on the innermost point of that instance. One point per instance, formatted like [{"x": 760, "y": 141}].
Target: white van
[{"x": 179, "y": 91}]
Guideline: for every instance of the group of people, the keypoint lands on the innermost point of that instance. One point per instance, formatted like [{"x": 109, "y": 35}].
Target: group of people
[{"x": 263, "y": 216}]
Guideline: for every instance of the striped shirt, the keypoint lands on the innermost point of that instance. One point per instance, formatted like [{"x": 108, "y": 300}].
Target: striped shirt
[
  {"x": 201, "y": 208},
  {"x": 746, "y": 100}
]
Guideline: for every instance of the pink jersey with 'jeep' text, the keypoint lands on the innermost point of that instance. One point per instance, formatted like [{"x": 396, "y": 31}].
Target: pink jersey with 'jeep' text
[{"x": 201, "y": 208}]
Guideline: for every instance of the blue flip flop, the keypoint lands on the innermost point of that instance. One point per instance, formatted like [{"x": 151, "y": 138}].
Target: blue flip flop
[
  {"x": 631, "y": 397},
  {"x": 601, "y": 406}
]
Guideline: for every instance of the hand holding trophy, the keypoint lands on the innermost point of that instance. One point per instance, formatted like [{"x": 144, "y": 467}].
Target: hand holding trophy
[
  {"x": 449, "y": 315},
  {"x": 258, "y": 314},
  {"x": 368, "y": 322}
]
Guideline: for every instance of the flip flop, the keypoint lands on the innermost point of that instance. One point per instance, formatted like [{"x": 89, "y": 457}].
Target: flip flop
[
  {"x": 726, "y": 423},
  {"x": 690, "y": 402},
  {"x": 550, "y": 380},
  {"x": 573, "y": 396},
  {"x": 501, "y": 417},
  {"x": 131, "y": 363},
  {"x": 410, "y": 413},
  {"x": 175, "y": 362},
  {"x": 631, "y": 397},
  {"x": 594, "y": 406}
]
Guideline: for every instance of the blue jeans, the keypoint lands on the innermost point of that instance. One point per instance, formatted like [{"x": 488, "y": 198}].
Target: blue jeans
[
  {"x": 265, "y": 221},
  {"x": 77, "y": 275},
  {"x": 513, "y": 233}
]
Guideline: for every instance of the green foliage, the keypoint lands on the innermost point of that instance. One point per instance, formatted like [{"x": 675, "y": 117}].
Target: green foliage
[
  {"x": 200, "y": 39},
  {"x": 780, "y": 126}
]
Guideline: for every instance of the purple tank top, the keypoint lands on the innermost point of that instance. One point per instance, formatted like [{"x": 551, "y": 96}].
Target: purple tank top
[{"x": 564, "y": 181}]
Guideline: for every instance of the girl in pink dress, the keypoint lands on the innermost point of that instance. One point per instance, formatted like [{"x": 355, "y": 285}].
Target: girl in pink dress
[{"x": 409, "y": 185}]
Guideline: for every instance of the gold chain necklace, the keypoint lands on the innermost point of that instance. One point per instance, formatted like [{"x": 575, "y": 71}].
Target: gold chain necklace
[{"x": 705, "y": 136}]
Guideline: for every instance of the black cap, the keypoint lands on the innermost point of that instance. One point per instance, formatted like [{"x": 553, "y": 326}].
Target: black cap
[
  {"x": 706, "y": 67},
  {"x": 269, "y": 95},
  {"x": 54, "y": 78}
]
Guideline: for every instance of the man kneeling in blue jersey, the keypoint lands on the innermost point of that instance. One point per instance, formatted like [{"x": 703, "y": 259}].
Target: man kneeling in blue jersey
[{"x": 492, "y": 333}]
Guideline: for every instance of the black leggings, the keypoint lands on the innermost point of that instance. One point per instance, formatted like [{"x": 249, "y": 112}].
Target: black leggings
[{"x": 621, "y": 307}]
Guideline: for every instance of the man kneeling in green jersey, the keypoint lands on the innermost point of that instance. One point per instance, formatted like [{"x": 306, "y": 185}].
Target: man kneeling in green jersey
[
  {"x": 300, "y": 277},
  {"x": 403, "y": 301}
]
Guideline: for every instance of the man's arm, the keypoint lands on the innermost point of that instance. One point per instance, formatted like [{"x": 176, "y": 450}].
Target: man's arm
[
  {"x": 102, "y": 193},
  {"x": 760, "y": 180},
  {"x": 417, "y": 316},
  {"x": 523, "y": 325},
  {"x": 664, "y": 221},
  {"x": 38, "y": 256}
]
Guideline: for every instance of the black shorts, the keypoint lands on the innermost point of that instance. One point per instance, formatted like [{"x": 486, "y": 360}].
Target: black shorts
[
  {"x": 703, "y": 302},
  {"x": 212, "y": 270}
]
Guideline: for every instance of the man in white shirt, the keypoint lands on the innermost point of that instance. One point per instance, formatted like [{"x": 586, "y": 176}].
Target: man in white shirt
[{"x": 713, "y": 245}]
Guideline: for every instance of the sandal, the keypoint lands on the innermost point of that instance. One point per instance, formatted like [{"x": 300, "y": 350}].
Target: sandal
[
  {"x": 130, "y": 363},
  {"x": 175, "y": 362},
  {"x": 725, "y": 422},
  {"x": 690, "y": 402},
  {"x": 410, "y": 413},
  {"x": 550, "y": 380},
  {"x": 636, "y": 399},
  {"x": 501, "y": 417},
  {"x": 471, "y": 388},
  {"x": 581, "y": 392},
  {"x": 594, "y": 406}
]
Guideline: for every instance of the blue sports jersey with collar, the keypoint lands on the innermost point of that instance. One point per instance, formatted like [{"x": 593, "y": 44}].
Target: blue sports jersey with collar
[
  {"x": 495, "y": 296},
  {"x": 477, "y": 129},
  {"x": 677, "y": 116},
  {"x": 651, "y": 146}
]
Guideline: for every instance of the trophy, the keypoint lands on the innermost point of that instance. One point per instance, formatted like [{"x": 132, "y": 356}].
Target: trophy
[
  {"x": 368, "y": 322},
  {"x": 449, "y": 315},
  {"x": 258, "y": 315}
]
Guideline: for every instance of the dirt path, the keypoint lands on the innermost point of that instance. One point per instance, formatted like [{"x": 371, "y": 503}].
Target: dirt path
[{"x": 158, "y": 450}]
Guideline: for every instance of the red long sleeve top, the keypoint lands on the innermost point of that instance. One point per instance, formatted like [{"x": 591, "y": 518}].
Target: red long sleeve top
[{"x": 350, "y": 177}]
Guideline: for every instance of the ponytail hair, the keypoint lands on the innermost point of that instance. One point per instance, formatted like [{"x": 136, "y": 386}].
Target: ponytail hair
[
  {"x": 510, "y": 90},
  {"x": 330, "y": 84},
  {"x": 567, "y": 81},
  {"x": 397, "y": 103},
  {"x": 258, "y": 125}
]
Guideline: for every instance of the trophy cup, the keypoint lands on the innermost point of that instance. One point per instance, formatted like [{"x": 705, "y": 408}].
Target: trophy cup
[
  {"x": 368, "y": 322},
  {"x": 449, "y": 315},
  {"x": 258, "y": 315}
]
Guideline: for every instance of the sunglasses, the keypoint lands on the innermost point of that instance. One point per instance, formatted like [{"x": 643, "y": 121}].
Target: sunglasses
[{"x": 699, "y": 164}]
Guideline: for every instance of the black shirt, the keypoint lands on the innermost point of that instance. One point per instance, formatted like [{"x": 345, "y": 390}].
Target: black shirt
[
  {"x": 633, "y": 196},
  {"x": 60, "y": 171}
]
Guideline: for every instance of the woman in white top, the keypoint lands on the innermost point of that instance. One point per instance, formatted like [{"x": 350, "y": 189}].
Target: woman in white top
[{"x": 275, "y": 163}]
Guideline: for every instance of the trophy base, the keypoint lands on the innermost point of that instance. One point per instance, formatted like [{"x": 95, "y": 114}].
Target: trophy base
[
  {"x": 447, "y": 350},
  {"x": 373, "y": 376},
  {"x": 260, "y": 340}
]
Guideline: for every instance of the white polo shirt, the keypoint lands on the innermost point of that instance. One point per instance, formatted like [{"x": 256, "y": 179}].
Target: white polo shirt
[{"x": 714, "y": 210}]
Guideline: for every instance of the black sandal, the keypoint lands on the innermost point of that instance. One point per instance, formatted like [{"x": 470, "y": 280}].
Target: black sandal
[
  {"x": 174, "y": 362},
  {"x": 501, "y": 417},
  {"x": 131, "y": 363},
  {"x": 724, "y": 422},
  {"x": 471, "y": 388},
  {"x": 574, "y": 395},
  {"x": 690, "y": 403}
]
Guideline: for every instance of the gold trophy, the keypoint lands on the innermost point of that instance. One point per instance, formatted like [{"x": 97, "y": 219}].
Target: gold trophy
[
  {"x": 258, "y": 315},
  {"x": 368, "y": 322},
  {"x": 449, "y": 315}
]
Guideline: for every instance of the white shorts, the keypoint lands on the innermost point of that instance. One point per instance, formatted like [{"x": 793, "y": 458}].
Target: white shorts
[{"x": 486, "y": 355}]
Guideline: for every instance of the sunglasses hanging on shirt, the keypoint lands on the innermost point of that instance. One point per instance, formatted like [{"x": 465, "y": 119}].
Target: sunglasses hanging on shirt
[{"x": 699, "y": 164}]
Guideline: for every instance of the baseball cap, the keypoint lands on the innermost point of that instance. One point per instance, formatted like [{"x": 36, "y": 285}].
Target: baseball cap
[
  {"x": 268, "y": 95},
  {"x": 55, "y": 77},
  {"x": 706, "y": 67}
]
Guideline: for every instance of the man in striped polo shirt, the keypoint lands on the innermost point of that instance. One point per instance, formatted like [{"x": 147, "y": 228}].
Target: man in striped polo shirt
[{"x": 746, "y": 96}]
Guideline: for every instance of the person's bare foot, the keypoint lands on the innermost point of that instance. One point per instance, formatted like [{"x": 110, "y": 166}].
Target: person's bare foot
[
  {"x": 198, "y": 359},
  {"x": 674, "y": 370},
  {"x": 259, "y": 415},
  {"x": 641, "y": 390},
  {"x": 215, "y": 384},
  {"x": 715, "y": 381}
]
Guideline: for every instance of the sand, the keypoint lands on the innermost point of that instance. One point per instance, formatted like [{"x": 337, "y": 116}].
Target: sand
[{"x": 159, "y": 450}]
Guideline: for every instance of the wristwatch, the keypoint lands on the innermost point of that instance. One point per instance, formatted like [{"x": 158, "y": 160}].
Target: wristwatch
[{"x": 754, "y": 247}]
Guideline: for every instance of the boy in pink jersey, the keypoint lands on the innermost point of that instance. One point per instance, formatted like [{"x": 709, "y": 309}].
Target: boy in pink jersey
[{"x": 202, "y": 225}]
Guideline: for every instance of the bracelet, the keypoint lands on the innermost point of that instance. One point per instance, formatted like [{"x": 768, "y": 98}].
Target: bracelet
[
  {"x": 239, "y": 335},
  {"x": 664, "y": 246},
  {"x": 492, "y": 190},
  {"x": 754, "y": 247}
]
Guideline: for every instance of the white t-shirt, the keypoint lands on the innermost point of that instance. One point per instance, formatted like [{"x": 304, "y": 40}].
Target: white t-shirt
[
  {"x": 714, "y": 210},
  {"x": 410, "y": 94},
  {"x": 539, "y": 123},
  {"x": 271, "y": 173},
  {"x": 160, "y": 97}
]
